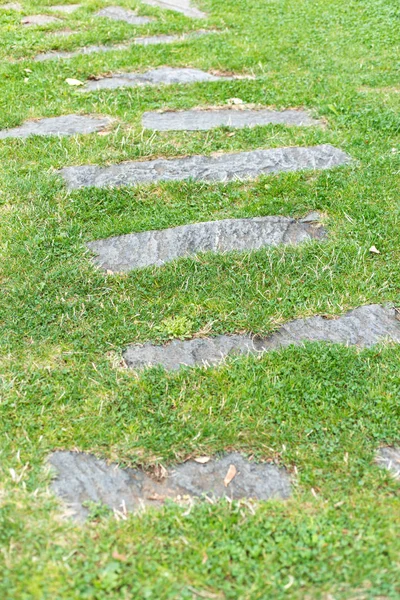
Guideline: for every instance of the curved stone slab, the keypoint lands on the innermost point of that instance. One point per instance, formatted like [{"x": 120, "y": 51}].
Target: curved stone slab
[
  {"x": 65, "y": 125},
  {"x": 363, "y": 326},
  {"x": 148, "y": 248},
  {"x": 118, "y": 13},
  {"x": 39, "y": 20},
  {"x": 389, "y": 458},
  {"x": 160, "y": 76},
  {"x": 81, "y": 478},
  {"x": 202, "y": 120},
  {"x": 67, "y": 9},
  {"x": 184, "y": 7},
  {"x": 226, "y": 167}
]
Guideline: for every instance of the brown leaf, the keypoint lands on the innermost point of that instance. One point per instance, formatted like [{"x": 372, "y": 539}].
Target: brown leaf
[
  {"x": 118, "y": 556},
  {"x": 232, "y": 471},
  {"x": 202, "y": 460},
  {"x": 374, "y": 250}
]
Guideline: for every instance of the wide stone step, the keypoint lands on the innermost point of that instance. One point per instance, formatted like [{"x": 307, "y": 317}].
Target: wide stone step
[
  {"x": 65, "y": 125},
  {"x": 184, "y": 7},
  {"x": 119, "y": 13},
  {"x": 160, "y": 76},
  {"x": 82, "y": 477},
  {"x": 226, "y": 167},
  {"x": 143, "y": 249},
  {"x": 201, "y": 120},
  {"x": 363, "y": 327}
]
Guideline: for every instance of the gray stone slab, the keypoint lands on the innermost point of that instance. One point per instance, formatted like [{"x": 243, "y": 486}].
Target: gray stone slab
[
  {"x": 160, "y": 76},
  {"x": 65, "y": 8},
  {"x": 82, "y": 477},
  {"x": 39, "y": 20},
  {"x": 148, "y": 248},
  {"x": 201, "y": 120},
  {"x": 65, "y": 125},
  {"x": 363, "y": 327},
  {"x": 389, "y": 458},
  {"x": 118, "y": 13},
  {"x": 184, "y": 7},
  {"x": 222, "y": 168},
  {"x": 11, "y": 6}
]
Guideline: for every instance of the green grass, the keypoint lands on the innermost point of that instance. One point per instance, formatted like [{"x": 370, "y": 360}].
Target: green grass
[{"x": 321, "y": 411}]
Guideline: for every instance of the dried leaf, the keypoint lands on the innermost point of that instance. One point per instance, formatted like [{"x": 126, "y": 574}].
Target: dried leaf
[
  {"x": 232, "y": 471},
  {"x": 374, "y": 250},
  {"x": 234, "y": 101},
  {"x": 118, "y": 556},
  {"x": 73, "y": 81},
  {"x": 202, "y": 460}
]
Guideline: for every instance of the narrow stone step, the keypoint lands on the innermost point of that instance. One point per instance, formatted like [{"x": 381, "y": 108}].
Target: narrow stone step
[
  {"x": 388, "y": 457},
  {"x": 34, "y": 20},
  {"x": 118, "y": 13},
  {"x": 227, "y": 167},
  {"x": 141, "y": 41},
  {"x": 67, "y": 9},
  {"x": 138, "y": 250},
  {"x": 81, "y": 478},
  {"x": 65, "y": 125},
  {"x": 201, "y": 120},
  {"x": 363, "y": 326},
  {"x": 184, "y": 7},
  {"x": 160, "y": 76}
]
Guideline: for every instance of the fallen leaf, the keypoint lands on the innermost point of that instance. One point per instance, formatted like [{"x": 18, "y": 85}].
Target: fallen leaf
[
  {"x": 73, "y": 81},
  {"x": 118, "y": 556},
  {"x": 230, "y": 134},
  {"x": 232, "y": 471},
  {"x": 103, "y": 133},
  {"x": 234, "y": 101},
  {"x": 28, "y": 70},
  {"x": 374, "y": 250},
  {"x": 202, "y": 460}
]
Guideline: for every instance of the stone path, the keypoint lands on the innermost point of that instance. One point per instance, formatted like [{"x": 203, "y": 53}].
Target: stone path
[
  {"x": 118, "y": 13},
  {"x": 82, "y": 477},
  {"x": 65, "y": 8},
  {"x": 228, "y": 167},
  {"x": 182, "y": 6},
  {"x": 197, "y": 120},
  {"x": 39, "y": 20},
  {"x": 140, "y": 41},
  {"x": 137, "y": 250},
  {"x": 160, "y": 76},
  {"x": 389, "y": 458},
  {"x": 11, "y": 6},
  {"x": 363, "y": 327},
  {"x": 65, "y": 125}
]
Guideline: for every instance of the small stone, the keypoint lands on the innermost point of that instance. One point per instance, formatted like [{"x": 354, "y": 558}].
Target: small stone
[
  {"x": 39, "y": 20},
  {"x": 364, "y": 327},
  {"x": 65, "y": 125},
  {"x": 389, "y": 458},
  {"x": 65, "y": 8},
  {"x": 182, "y": 6},
  {"x": 82, "y": 477},
  {"x": 118, "y": 13}
]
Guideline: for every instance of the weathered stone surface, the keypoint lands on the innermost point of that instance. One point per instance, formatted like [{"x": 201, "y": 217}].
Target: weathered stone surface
[
  {"x": 182, "y": 6},
  {"x": 39, "y": 20},
  {"x": 11, "y": 6},
  {"x": 82, "y": 478},
  {"x": 118, "y": 13},
  {"x": 389, "y": 458},
  {"x": 160, "y": 76},
  {"x": 137, "y": 250},
  {"x": 363, "y": 326},
  {"x": 141, "y": 41},
  {"x": 197, "y": 120},
  {"x": 226, "y": 167},
  {"x": 65, "y": 125},
  {"x": 65, "y": 8}
]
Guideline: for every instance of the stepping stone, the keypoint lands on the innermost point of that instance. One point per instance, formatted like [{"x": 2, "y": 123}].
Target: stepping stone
[
  {"x": 182, "y": 6},
  {"x": 201, "y": 120},
  {"x": 141, "y": 41},
  {"x": 39, "y": 20},
  {"x": 226, "y": 167},
  {"x": 160, "y": 76},
  {"x": 65, "y": 125},
  {"x": 117, "y": 13},
  {"x": 363, "y": 327},
  {"x": 82, "y": 477},
  {"x": 137, "y": 250},
  {"x": 65, "y": 8},
  {"x": 389, "y": 458},
  {"x": 11, "y": 6}
]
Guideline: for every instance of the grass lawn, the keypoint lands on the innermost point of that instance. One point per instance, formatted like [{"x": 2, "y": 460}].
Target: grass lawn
[{"x": 320, "y": 410}]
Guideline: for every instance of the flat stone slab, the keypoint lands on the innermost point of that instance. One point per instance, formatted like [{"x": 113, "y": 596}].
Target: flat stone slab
[
  {"x": 160, "y": 76},
  {"x": 220, "y": 168},
  {"x": 65, "y": 8},
  {"x": 118, "y": 13},
  {"x": 389, "y": 458},
  {"x": 137, "y": 250},
  {"x": 65, "y": 125},
  {"x": 39, "y": 20},
  {"x": 363, "y": 327},
  {"x": 201, "y": 120},
  {"x": 82, "y": 477},
  {"x": 141, "y": 41},
  {"x": 184, "y": 7},
  {"x": 11, "y": 6}
]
